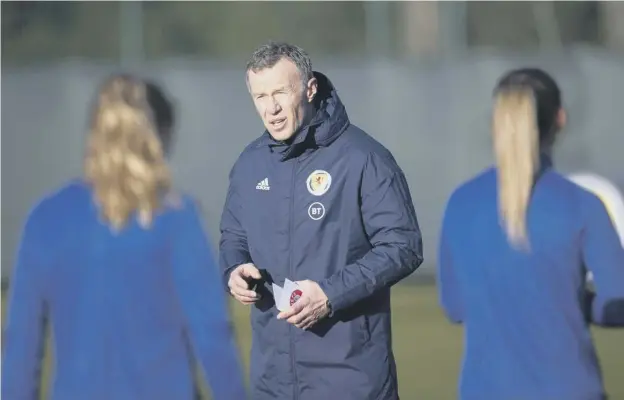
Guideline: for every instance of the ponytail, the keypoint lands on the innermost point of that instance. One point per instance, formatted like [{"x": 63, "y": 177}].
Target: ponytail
[{"x": 516, "y": 150}]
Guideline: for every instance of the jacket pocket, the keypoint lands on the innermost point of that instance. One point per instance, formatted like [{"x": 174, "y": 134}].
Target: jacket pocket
[{"x": 364, "y": 330}]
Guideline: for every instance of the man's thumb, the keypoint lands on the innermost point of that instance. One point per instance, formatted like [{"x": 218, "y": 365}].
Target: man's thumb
[{"x": 251, "y": 271}]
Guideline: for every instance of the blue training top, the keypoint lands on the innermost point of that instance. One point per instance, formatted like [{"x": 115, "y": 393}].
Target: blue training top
[
  {"x": 525, "y": 314},
  {"x": 127, "y": 310}
]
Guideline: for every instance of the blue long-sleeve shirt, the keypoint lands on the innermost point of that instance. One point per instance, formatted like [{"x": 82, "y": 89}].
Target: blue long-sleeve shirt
[
  {"x": 129, "y": 311},
  {"x": 524, "y": 314}
]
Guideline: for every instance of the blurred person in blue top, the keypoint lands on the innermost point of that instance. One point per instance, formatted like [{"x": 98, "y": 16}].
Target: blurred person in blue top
[
  {"x": 122, "y": 269},
  {"x": 516, "y": 241}
]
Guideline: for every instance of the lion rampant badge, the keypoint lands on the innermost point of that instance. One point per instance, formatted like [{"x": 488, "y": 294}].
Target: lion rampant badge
[{"x": 318, "y": 182}]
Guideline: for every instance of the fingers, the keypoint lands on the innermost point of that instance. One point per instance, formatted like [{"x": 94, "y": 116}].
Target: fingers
[
  {"x": 299, "y": 317},
  {"x": 239, "y": 288},
  {"x": 286, "y": 314},
  {"x": 246, "y": 299},
  {"x": 307, "y": 324},
  {"x": 245, "y": 296},
  {"x": 245, "y": 302},
  {"x": 303, "y": 320},
  {"x": 250, "y": 271},
  {"x": 293, "y": 310}
]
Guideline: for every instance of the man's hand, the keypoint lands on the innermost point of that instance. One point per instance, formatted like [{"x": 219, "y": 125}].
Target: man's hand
[
  {"x": 239, "y": 283},
  {"x": 309, "y": 309}
]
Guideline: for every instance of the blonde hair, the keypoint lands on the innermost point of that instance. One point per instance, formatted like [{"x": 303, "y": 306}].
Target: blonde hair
[
  {"x": 125, "y": 161},
  {"x": 516, "y": 148}
]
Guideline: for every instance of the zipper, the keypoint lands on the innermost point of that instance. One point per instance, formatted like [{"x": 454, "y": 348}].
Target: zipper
[{"x": 291, "y": 223}]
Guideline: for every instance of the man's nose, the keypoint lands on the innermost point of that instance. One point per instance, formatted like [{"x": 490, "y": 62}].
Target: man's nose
[{"x": 274, "y": 107}]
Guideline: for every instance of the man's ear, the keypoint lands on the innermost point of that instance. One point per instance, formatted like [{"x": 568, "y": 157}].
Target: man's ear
[
  {"x": 311, "y": 89},
  {"x": 562, "y": 119}
]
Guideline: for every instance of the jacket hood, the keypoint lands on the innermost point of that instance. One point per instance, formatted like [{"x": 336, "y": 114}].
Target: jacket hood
[{"x": 326, "y": 126}]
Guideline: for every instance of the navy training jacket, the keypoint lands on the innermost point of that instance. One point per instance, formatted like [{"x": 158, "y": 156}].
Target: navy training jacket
[{"x": 333, "y": 207}]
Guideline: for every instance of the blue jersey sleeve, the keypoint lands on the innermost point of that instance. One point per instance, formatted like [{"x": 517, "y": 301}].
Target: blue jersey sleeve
[
  {"x": 603, "y": 255},
  {"x": 23, "y": 332},
  {"x": 447, "y": 282},
  {"x": 198, "y": 284}
]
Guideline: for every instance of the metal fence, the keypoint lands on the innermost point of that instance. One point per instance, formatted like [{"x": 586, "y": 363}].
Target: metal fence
[{"x": 433, "y": 116}]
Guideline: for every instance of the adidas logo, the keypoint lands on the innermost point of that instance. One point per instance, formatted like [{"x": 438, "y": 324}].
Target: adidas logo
[{"x": 263, "y": 184}]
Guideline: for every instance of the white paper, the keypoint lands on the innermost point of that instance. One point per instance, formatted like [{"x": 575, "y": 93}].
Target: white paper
[
  {"x": 277, "y": 295},
  {"x": 291, "y": 292},
  {"x": 283, "y": 295}
]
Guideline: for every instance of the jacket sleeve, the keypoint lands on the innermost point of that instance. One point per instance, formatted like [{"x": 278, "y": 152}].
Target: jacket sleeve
[
  {"x": 233, "y": 249},
  {"x": 204, "y": 305},
  {"x": 23, "y": 332},
  {"x": 392, "y": 229},
  {"x": 447, "y": 282},
  {"x": 603, "y": 255}
]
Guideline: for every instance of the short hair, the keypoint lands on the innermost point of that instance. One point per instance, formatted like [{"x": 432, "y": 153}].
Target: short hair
[{"x": 269, "y": 54}]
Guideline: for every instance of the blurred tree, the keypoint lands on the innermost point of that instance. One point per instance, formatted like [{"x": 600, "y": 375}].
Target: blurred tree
[
  {"x": 233, "y": 29},
  {"x": 523, "y": 25},
  {"x": 44, "y": 31},
  {"x": 421, "y": 21},
  {"x": 613, "y": 26},
  {"x": 34, "y": 32},
  {"x": 579, "y": 21}
]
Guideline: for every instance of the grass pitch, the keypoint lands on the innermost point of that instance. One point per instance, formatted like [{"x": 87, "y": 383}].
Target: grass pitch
[{"x": 427, "y": 348}]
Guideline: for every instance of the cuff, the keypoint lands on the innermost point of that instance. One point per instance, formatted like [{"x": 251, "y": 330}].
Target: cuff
[{"x": 334, "y": 298}]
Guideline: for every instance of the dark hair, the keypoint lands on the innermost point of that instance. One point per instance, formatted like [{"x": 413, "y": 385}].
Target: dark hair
[
  {"x": 163, "y": 112},
  {"x": 267, "y": 55},
  {"x": 546, "y": 93},
  {"x": 527, "y": 102}
]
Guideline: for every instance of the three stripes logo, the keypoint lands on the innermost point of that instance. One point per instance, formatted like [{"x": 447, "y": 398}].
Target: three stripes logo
[{"x": 263, "y": 184}]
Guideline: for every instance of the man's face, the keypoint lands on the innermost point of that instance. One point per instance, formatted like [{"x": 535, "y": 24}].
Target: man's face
[{"x": 281, "y": 98}]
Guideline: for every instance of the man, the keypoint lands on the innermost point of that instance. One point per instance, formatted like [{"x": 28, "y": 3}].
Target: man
[{"x": 318, "y": 201}]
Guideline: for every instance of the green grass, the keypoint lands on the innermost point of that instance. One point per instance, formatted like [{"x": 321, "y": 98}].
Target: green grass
[{"x": 428, "y": 348}]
